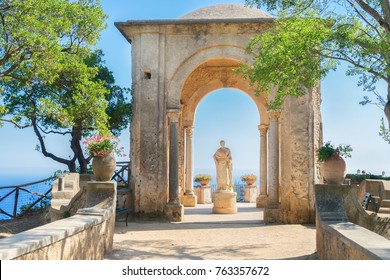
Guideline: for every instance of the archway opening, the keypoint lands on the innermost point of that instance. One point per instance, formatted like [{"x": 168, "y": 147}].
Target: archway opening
[{"x": 230, "y": 115}]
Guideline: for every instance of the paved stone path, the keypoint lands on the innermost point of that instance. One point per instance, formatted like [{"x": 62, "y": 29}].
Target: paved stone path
[{"x": 207, "y": 236}]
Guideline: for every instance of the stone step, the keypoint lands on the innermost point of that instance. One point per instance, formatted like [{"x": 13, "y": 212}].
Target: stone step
[
  {"x": 384, "y": 210},
  {"x": 385, "y": 203},
  {"x": 57, "y": 203},
  {"x": 65, "y": 194}
]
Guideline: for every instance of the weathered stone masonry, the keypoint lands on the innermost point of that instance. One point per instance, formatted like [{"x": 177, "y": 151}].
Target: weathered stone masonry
[{"x": 175, "y": 64}]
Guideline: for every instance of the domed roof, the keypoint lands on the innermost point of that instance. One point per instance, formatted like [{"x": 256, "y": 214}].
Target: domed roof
[{"x": 227, "y": 11}]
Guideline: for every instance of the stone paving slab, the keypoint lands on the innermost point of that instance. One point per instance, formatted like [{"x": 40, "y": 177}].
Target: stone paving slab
[{"x": 207, "y": 236}]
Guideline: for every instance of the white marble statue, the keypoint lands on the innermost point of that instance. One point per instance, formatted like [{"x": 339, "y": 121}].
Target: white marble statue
[{"x": 223, "y": 163}]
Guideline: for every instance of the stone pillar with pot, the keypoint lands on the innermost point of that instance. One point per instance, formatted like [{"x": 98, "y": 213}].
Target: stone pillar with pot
[{"x": 250, "y": 193}]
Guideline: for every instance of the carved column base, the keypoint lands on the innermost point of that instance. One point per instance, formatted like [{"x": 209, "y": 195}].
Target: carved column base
[
  {"x": 262, "y": 201},
  {"x": 174, "y": 212},
  {"x": 225, "y": 202},
  {"x": 189, "y": 200},
  {"x": 250, "y": 194},
  {"x": 272, "y": 214}
]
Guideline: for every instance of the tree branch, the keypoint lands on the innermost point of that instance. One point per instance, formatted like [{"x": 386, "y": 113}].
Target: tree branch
[
  {"x": 13, "y": 67},
  {"x": 53, "y": 131},
  {"x": 372, "y": 12},
  {"x": 15, "y": 123},
  {"x": 386, "y": 9},
  {"x": 364, "y": 18},
  {"x": 346, "y": 58},
  {"x": 43, "y": 147},
  {"x": 5, "y": 7}
]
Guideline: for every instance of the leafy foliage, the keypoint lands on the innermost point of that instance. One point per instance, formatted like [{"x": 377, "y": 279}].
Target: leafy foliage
[
  {"x": 285, "y": 58},
  {"x": 327, "y": 150},
  {"x": 100, "y": 145},
  {"x": 202, "y": 177},
  {"x": 361, "y": 177},
  {"x": 310, "y": 37},
  {"x": 51, "y": 80},
  {"x": 247, "y": 177},
  {"x": 384, "y": 132},
  {"x": 37, "y": 34}
]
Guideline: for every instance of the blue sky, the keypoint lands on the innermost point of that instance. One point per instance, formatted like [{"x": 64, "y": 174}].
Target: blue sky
[{"x": 224, "y": 114}]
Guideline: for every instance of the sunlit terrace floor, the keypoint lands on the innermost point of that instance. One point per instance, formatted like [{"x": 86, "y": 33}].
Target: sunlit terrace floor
[{"x": 207, "y": 236}]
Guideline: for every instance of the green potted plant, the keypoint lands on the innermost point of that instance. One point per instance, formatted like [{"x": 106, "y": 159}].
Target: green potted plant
[
  {"x": 102, "y": 148},
  {"x": 203, "y": 179},
  {"x": 249, "y": 178},
  {"x": 333, "y": 166}
]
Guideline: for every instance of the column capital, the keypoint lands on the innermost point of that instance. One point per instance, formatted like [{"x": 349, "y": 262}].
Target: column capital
[
  {"x": 263, "y": 128},
  {"x": 173, "y": 114},
  {"x": 189, "y": 130},
  {"x": 274, "y": 115}
]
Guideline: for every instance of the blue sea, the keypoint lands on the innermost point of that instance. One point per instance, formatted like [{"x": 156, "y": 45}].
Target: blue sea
[
  {"x": 236, "y": 174},
  {"x": 7, "y": 185},
  {"x": 25, "y": 198}
]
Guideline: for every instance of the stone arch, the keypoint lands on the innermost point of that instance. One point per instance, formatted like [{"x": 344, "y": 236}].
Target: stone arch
[
  {"x": 210, "y": 73},
  {"x": 175, "y": 64},
  {"x": 222, "y": 56},
  {"x": 214, "y": 74}
]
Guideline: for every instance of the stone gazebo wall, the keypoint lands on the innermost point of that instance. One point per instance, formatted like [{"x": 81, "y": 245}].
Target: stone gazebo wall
[{"x": 175, "y": 64}]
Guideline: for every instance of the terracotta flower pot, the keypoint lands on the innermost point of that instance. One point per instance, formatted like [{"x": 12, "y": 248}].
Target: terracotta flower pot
[
  {"x": 250, "y": 182},
  {"x": 204, "y": 182},
  {"x": 334, "y": 169},
  {"x": 104, "y": 167}
]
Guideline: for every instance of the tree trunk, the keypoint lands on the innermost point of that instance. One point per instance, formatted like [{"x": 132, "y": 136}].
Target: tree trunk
[
  {"x": 78, "y": 150},
  {"x": 72, "y": 167},
  {"x": 70, "y": 163},
  {"x": 387, "y": 106}
]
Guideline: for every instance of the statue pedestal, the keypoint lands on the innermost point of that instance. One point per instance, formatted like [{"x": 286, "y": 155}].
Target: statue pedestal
[
  {"x": 225, "y": 202},
  {"x": 250, "y": 193}
]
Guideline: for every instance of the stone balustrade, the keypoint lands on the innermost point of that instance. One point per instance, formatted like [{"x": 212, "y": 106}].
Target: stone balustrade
[
  {"x": 338, "y": 238},
  {"x": 88, "y": 235}
]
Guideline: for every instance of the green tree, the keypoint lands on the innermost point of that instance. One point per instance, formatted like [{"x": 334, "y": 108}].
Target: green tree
[
  {"x": 37, "y": 34},
  {"x": 82, "y": 99},
  {"x": 311, "y": 37},
  {"x": 51, "y": 80}
]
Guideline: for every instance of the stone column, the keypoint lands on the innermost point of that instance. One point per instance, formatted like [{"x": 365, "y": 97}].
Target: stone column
[
  {"x": 174, "y": 210},
  {"x": 262, "y": 199},
  {"x": 189, "y": 199},
  {"x": 272, "y": 213},
  {"x": 273, "y": 182}
]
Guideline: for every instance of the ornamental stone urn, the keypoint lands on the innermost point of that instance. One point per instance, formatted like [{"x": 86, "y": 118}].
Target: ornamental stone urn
[
  {"x": 104, "y": 167},
  {"x": 334, "y": 169}
]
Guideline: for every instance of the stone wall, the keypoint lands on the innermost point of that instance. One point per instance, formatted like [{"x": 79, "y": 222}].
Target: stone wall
[
  {"x": 159, "y": 74},
  {"x": 175, "y": 64},
  {"x": 67, "y": 202},
  {"x": 88, "y": 235},
  {"x": 301, "y": 133},
  {"x": 336, "y": 237},
  {"x": 348, "y": 241},
  {"x": 356, "y": 214}
]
